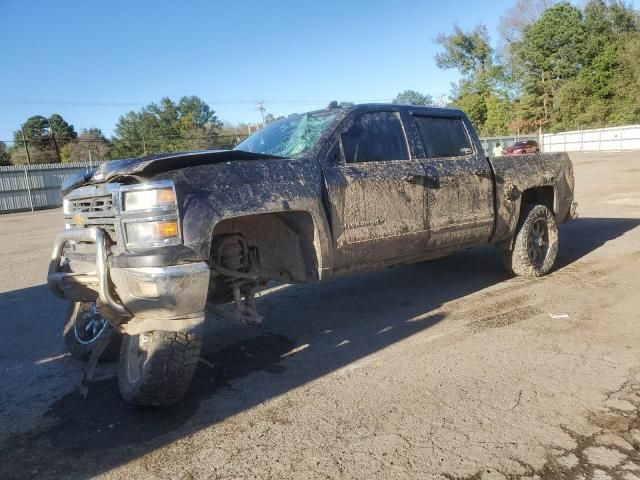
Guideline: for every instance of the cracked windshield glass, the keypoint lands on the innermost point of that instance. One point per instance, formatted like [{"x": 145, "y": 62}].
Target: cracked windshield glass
[{"x": 291, "y": 137}]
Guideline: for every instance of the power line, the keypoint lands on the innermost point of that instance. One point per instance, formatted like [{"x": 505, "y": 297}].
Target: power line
[
  {"x": 163, "y": 137},
  {"x": 10, "y": 101}
]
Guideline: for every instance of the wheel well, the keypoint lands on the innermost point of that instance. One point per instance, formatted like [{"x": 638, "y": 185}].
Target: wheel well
[
  {"x": 283, "y": 240},
  {"x": 538, "y": 196}
]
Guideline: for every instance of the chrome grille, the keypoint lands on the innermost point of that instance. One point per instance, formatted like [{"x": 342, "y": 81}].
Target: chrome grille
[{"x": 95, "y": 206}]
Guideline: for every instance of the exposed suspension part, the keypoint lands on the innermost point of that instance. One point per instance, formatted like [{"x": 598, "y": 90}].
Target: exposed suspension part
[{"x": 234, "y": 262}]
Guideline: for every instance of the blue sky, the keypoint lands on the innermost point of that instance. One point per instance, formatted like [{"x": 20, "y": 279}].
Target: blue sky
[{"x": 94, "y": 61}]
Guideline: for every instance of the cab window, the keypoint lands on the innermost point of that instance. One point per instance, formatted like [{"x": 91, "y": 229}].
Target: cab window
[
  {"x": 444, "y": 137},
  {"x": 375, "y": 137}
]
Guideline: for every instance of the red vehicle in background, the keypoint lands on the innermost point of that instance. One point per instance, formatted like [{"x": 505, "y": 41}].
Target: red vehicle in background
[{"x": 522, "y": 148}]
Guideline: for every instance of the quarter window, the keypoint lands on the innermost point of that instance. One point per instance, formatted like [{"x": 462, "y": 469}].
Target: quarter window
[
  {"x": 375, "y": 137},
  {"x": 444, "y": 137}
]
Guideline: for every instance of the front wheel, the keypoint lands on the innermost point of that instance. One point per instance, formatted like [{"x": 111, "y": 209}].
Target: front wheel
[
  {"x": 536, "y": 243},
  {"x": 156, "y": 368}
]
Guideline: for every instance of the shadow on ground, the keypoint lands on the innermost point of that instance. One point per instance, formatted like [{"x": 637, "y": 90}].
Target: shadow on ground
[{"x": 340, "y": 322}]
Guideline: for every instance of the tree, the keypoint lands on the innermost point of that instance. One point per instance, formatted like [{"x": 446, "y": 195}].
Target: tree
[
  {"x": 468, "y": 52},
  {"x": 344, "y": 104},
  {"x": 64, "y": 132},
  {"x": 91, "y": 143},
  {"x": 270, "y": 118},
  {"x": 44, "y": 136},
  {"x": 189, "y": 124},
  {"x": 517, "y": 18},
  {"x": 552, "y": 50},
  {"x": 4, "y": 155},
  {"x": 604, "y": 91},
  {"x": 484, "y": 83},
  {"x": 411, "y": 97}
]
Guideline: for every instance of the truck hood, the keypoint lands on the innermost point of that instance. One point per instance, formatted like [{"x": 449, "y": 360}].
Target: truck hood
[{"x": 154, "y": 164}]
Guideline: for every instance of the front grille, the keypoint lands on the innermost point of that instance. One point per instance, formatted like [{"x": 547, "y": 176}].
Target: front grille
[
  {"x": 94, "y": 207},
  {"x": 88, "y": 205}
]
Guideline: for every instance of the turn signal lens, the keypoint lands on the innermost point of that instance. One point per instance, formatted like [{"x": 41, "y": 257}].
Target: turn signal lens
[{"x": 168, "y": 229}]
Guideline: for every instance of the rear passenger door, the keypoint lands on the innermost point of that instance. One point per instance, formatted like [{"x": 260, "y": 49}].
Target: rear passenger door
[
  {"x": 376, "y": 191},
  {"x": 460, "y": 196}
]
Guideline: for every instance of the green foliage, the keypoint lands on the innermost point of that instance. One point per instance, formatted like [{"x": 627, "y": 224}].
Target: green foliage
[
  {"x": 189, "y": 124},
  {"x": 565, "y": 68},
  {"x": 468, "y": 52},
  {"x": 411, "y": 97},
  {"x": 44, "y": 137},
  {"x": 91, "y": 143},
  {"x": 5, "y": 157},
  {"x": 551, "y": 51}
]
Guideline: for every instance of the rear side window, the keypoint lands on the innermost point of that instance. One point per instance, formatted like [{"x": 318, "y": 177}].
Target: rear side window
[
  {"x": 444, "y": 137},
  {"x": 375, "y": 137}
]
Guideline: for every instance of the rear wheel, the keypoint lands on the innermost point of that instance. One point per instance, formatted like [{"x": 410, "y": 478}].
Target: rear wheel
[
  {"x": 84, "y": 327},
  {"x": 156, "y": 368},
  {"x": 536, "y": 243}
]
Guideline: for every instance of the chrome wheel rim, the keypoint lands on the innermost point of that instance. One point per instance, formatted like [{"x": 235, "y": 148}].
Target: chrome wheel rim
[
  {"x": 538, "y": 244},
  {"x": 88, "y": 324}
]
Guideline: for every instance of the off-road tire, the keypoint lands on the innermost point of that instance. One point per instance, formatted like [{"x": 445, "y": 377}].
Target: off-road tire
[
  {"x": 162, "y": 371},
  {"x": 83, "y": 350},
  {"x": 521, "y": 261}
]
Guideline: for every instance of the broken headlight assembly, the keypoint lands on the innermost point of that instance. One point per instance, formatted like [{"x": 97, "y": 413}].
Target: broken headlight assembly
[{"x": 149, "y": 215}]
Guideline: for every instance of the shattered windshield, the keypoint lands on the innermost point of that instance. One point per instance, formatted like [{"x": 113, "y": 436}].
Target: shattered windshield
[{"x": 291, "y": 137}]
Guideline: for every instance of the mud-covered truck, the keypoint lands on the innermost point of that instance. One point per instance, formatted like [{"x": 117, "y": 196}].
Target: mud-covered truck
[{"x": 150, "y": 243}]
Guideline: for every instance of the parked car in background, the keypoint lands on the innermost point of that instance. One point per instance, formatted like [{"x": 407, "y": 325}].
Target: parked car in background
[{"x": 522, "y": 148}]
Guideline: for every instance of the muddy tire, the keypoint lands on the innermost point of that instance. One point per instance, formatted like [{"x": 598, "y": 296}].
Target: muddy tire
[
  {"x": 83, "y": 328},
  {"x": 156, "y": 368},
  {"x": 536, "y": 243}
]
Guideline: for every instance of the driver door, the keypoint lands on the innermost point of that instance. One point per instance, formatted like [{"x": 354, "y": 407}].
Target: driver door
[{"x": 376, "y": 192}]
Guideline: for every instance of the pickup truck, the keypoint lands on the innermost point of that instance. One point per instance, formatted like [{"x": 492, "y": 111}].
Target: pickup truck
[{"x": 151, "y": 243}]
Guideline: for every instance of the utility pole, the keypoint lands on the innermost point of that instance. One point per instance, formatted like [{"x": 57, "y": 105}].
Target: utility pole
[
  {"x": 55, "y": 143},
  {"x": 260, "y": 106},
  {"x": 24, "y": 142}
]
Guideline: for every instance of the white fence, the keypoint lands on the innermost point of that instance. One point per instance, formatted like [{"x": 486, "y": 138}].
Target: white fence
[
  {"x": 32, "y": 187},
  {"x": 597, "y": 140}
]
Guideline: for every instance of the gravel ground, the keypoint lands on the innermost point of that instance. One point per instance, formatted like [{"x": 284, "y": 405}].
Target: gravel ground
[{"x": 446, "y": 369}]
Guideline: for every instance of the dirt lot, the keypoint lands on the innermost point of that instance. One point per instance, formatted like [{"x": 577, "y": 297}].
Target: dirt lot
[{"x": 447, "y": 369}]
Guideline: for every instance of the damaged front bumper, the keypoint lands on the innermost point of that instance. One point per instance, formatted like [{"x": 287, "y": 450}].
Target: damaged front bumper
[{"x": 138, "y": 299}]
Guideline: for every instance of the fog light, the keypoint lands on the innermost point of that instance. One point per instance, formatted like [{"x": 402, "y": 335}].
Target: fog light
[{"x": 150, "y": 232}]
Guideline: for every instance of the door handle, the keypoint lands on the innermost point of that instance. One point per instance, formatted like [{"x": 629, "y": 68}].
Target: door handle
[
  {"x": 428, "y": 180},
  {"x": 414, "y": 178}
]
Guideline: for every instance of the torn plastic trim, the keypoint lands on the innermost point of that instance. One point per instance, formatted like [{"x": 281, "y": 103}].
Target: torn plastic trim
[{"x": 137, "y": 326}]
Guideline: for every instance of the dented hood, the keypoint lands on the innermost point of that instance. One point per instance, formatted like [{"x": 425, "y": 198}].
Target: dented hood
[{"x": 154, "y": 164}]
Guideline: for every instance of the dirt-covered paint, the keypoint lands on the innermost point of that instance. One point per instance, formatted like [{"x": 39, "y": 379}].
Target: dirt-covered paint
[{"x": 364, "y": 215}]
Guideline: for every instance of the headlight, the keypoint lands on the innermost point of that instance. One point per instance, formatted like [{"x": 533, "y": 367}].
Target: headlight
[
  {"x": 148, "y": 199},
  {"x": 149, "y": 214},
  {"x": 154, "y": 232}
]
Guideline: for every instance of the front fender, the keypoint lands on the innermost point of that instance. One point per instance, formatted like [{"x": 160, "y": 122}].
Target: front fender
[{"x": 210, "y": 194}]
